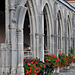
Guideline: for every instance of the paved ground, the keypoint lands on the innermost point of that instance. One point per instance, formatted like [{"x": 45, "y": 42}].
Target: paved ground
[{"x": 71, "y": 71}]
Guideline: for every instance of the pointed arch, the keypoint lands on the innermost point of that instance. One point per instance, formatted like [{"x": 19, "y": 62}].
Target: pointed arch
[
  {"x": 21, "y": 11},
  {"x": 69, "y": 32},
  {"x": 47, "y": 29},
  {"x": 59, "y": 30}
]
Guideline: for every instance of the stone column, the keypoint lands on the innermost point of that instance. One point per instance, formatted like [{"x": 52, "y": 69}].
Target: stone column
[
  {"x": 66, "y": 38},
  {"x": 52, "y": 44},
  {"x": 41, "y": 37},
  {"x": 61, "y": 41},
  {"x": 13, "y": 38},
  {"x": 13, "y": 51},
  {"x": 74, "y": 32},
  {"x": 3, "y": 60},
  {"x": 7, "y": 40},
  {"x": 33, "y": 34},
  {"x": 55, "y": 38},
  {"x": 37, "y": 35},
  {"x": 20, "y": 69},
  {"x": 63, "y": 44},
  {"x": 55, "y": 29}
]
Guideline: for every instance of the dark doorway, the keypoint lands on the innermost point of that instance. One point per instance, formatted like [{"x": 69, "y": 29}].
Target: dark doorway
[{"x": 2, "y": 21}]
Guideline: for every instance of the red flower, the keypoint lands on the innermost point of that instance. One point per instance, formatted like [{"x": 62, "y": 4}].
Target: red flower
[
  {"x": 58, "y": 59},
  {"x": 37, "y": 59},
  {"x": 34, "y": 65},
  {"x": 31, "y": 57},
  {"x": 24, "y": 58},
  {"x": 39, "y": 68},
  {"x": 30, "y": 68},
  {"x": 55, "y": 60},
  {"x": 30, "y": 71},
  {"x": 36, "y": 68},
  {"x": 28, "y": 64},
  {"x": 24, "y": 63},
  {"x": 53, "y": 55},
  {"x": 72, "y": 60},
  {"x": 59, "y": 54},
  {"x": 35, "y": 62},
  {"x": 50, "y": 57},
  {"x": 62, "y": 64},
  {"x": 44, "y": 66},
  {"x": 40, "y": 65},
  {"x": 27, "y": 72},
  {"x": 32, "y": 62},
  {"x": 57, "y": 65},
  {"x": 37, "y": 71}
]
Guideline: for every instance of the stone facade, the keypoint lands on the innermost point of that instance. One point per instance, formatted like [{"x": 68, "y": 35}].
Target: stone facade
[{"x": 52, "y": 21}]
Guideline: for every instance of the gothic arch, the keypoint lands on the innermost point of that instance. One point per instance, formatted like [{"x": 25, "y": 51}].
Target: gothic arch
[
  {"x": 60, "y": 11},
  {"x": 59, "y": 31},
  {"x": 47, "y": 28},
  {"x": 69, "y": 33},
  {"x": 21, "y": 11},
  {"x": 49, "y": 7},
  {"x": 32, "y": 21}
]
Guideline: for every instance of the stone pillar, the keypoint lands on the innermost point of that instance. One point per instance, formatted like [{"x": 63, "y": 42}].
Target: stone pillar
[
  {"x": 20, "y": 69},
  {"x": 55, "y": 38},
  {"x": 74, "y": 39},
  {"x": 63, "y": 46},
  {"x": 13, "y": 51},
  {"x": 7, "y": 40},
  {"x": 13, "y": 38},
  {"x": 3, "y": 57},
  {"x": 33, "y": 41},
  {"x": 37, "y": 35},
  {"x": 52, "y": 43},
  {"x": 55, "y": 29},
  {"x": 41, "y": 37},
  {"x": 61, "y": 41},
  {"x": 66, "y": 38}
]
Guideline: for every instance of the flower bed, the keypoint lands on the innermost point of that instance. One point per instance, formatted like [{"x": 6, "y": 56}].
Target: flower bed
[
  {"x": 34, "y": 66},
  {"x": 65, "y": 61},
  {"x": 53, "y": 59},
  {"x": 71, "y": 57}
]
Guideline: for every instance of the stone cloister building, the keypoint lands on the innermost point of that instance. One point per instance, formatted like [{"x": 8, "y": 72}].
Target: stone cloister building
[{"x": 45, "y": 26}]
